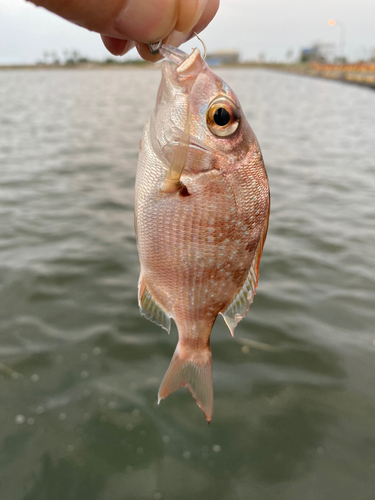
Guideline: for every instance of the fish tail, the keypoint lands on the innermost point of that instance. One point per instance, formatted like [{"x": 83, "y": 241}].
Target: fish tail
[{"x": 191, "y": 369}]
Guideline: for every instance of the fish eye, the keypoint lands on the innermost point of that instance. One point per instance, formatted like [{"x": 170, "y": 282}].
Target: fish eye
[{"x": 223, "y": 116}]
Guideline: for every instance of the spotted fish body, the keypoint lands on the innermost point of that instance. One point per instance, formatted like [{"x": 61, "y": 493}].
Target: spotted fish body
[{"x": 202, "y": 207}]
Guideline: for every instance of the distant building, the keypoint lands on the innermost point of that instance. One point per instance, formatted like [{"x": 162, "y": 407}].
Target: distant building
[
  {"x": 223, "y": 57},
  {"x": 319, "y": 52}
]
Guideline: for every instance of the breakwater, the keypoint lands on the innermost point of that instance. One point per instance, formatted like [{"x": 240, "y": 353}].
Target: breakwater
[{"x": 357, "y": 73}]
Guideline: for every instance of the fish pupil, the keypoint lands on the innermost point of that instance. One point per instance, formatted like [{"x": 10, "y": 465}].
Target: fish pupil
[{"x": 221, "y": 117}]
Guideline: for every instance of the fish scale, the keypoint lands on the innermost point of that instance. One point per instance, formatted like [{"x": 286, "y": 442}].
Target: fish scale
[{"x": 202, "y": 207}]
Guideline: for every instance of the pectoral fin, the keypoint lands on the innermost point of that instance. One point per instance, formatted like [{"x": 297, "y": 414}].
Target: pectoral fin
[
  {"x": 172, "y": 181},
  {"x": 240, "y": 305}
]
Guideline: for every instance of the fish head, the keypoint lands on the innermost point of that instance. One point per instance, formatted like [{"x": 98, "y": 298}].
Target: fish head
[{"x": 196, "y": 110}]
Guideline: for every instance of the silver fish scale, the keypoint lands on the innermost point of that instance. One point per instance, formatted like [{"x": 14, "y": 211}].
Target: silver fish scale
[{"x": 196, "y": 251}]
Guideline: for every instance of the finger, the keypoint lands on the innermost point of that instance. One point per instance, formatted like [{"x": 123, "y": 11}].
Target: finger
[
  {"x": 149, "y": 21},
  {"x": 116, "y": 46},
  {"x": 95, "y": 15},
  {"x": 140, "y": 20},
  {"x": 176, "y": 38},
  {"x": 144, "y": 51},
  {"x": 189, "y": 13},
  {"x": 208, "y": 14}
]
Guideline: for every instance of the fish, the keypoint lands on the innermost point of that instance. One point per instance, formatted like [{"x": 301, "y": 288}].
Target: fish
[{"x": 202, "y": 206}]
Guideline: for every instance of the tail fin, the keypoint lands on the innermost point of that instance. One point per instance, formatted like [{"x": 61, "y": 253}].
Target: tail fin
[{"x": 193, "y": 370}]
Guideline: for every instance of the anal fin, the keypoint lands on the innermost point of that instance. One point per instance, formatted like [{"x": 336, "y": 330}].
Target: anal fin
[{"x": 150, "y": 308}]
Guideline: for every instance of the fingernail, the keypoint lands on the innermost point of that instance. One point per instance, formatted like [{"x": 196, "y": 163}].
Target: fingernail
[
  {"x": 176, "y": 38},
  {"x": 116, "y": 46},
  {"x": 130, "y": 44}
]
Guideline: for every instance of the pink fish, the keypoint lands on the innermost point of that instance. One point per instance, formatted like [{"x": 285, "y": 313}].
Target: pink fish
[{"x": 202, "y": 208}]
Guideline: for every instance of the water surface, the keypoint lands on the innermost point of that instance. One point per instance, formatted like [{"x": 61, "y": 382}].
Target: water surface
[{"x": 294, "y": 412}]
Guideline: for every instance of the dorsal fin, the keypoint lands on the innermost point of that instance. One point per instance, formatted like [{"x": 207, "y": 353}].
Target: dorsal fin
[
  {"x": 150, "y": 308},
  {"x": 239, "y": 306}
]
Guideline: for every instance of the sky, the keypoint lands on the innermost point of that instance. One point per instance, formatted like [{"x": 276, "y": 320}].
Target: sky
[{"x": 254, "y": 27}]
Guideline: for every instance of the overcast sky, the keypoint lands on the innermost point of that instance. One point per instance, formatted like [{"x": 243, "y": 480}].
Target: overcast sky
[{"x": 271, "y": 27}]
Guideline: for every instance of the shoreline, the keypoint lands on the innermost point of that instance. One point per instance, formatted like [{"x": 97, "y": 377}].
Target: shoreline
[{"x": 340, "y": 74}]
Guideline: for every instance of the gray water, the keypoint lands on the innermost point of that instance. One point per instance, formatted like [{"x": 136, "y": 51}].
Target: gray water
[{"x": 294, "y": 413}]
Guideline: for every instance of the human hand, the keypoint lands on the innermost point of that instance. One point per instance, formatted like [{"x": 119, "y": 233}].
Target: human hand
[{"x": 124, "y": 24}]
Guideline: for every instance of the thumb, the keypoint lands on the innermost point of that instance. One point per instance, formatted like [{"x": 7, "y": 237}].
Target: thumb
[{"x": 139, "y": 20}]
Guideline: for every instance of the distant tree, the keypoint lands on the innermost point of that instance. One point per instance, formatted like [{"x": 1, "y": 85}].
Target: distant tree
[
  {"x": 54, "y": 58},
  {"x": 45, "y": 57},
  {"x": 75, "y": 55},
  {"x": 65, "y": 55},
  {"x": 289, "y": 54}
]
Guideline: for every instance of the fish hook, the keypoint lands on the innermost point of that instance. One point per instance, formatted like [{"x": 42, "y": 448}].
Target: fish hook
[
  {"x": 204, "y": 45},
  {"x": 155, "y": 47}
]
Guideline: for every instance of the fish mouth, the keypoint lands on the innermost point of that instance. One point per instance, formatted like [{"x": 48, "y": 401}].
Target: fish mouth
[
  {"x": 183, "y": 76},
  {"x": 173, "y": 54},
  {"x": 187, "y": 64}
]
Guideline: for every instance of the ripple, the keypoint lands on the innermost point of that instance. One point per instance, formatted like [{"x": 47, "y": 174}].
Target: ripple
[{"x": 294, "y": 395}]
